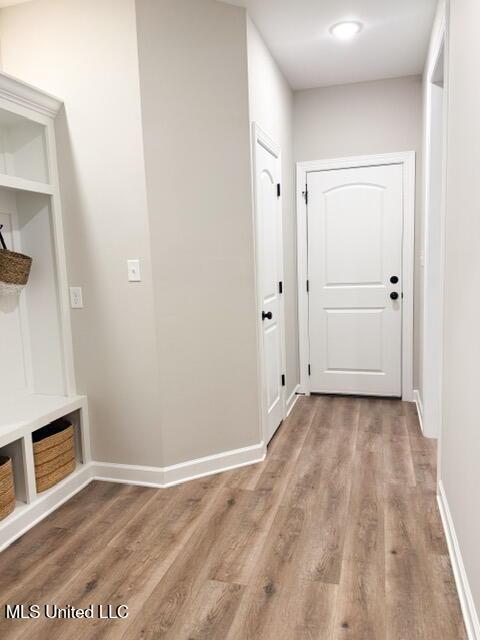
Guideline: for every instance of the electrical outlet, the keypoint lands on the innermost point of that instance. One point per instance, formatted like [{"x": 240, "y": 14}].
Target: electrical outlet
[
  {"x": 134, "y": 274},
  {"x": 76, "y": 297}
]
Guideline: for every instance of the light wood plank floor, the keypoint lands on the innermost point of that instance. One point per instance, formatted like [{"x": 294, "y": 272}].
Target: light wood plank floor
[{"x": 336, "y": 535}]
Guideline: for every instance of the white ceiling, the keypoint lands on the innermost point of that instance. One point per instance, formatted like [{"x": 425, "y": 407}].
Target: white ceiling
[{"x": 393, "y": 41}]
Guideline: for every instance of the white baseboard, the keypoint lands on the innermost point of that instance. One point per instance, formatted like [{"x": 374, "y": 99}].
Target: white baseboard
[
  {"x": 175, "y": 474},
  {"x": 27, "y": 516},
  {"x": 292, "y": 399},
  {"x": 216, "y": 463},
  {"x": 417, "y": 398},
  {"x": 464, "y": 593}
]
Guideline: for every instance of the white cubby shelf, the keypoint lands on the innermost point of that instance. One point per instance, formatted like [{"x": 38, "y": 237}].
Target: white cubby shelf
[{"x": 37, "y": 381}]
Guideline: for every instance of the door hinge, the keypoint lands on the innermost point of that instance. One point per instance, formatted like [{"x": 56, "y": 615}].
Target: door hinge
[
  {"x": 305, "y": 194},
  {"x": 283, "y": 379},
  {"x": 308, "y": 286},
  {"x": 279, "y": 190},
  {"x": 280, "y": 287},
  {"x": 309, "y": 370}
]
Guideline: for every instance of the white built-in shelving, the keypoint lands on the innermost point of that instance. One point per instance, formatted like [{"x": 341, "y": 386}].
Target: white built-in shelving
[{"x": 37, "y": 382}]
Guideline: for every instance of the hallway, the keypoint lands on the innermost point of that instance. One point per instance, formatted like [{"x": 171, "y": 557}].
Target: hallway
[{"x": 335, "y": 535}]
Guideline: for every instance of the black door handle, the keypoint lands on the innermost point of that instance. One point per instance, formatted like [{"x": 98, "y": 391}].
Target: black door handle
[
  {"x": 268, "y": 315},
  {"x": 394, "y": 295},
  {"x": 394, "y": 279}
]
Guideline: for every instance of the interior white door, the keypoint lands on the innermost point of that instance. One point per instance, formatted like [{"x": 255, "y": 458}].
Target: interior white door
[
  {"x": 270, "y": 267},
  {"x": 355, "y": 229}
]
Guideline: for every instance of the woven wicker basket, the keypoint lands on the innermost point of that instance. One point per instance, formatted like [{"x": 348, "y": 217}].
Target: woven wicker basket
[
  {"x": 54, "y": 454},
  {"x": 7, "y": 488},
  {"x": 14, "y": 269}
]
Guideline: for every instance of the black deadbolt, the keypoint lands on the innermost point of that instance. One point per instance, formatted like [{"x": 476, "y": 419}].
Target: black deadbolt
[
  {"x": 394, "y": 279},
  {"x": 394, "y": 295},
  {"x": 268, "y": 315}
]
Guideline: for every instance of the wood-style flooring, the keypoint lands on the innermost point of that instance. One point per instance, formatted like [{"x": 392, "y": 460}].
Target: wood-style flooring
[{"x": 335, "y": 535}]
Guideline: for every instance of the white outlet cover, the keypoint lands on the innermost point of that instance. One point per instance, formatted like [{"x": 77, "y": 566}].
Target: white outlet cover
[{"x": 76, "y": 297}]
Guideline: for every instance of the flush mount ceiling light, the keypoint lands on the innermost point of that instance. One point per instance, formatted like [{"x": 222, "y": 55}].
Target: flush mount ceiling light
[{"x": 346, "y": 30}]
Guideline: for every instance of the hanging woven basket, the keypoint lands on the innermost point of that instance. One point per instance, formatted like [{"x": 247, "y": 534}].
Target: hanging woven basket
[{"x": 14, "y": 269}]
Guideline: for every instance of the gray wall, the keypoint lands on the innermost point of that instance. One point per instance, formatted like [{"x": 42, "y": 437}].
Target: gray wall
[
  {"x": 271, "y": 107},
  {"x": 362, "y": 119},
  {"x": 194, "y": 92},
  {"x": 460, "y": 445},
  {"x": 86, "y": 53}
]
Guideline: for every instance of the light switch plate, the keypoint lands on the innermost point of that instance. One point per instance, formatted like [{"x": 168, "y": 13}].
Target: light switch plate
[
  {"x": 134, "y": 274},
  {"x": 76, "y": 297}
]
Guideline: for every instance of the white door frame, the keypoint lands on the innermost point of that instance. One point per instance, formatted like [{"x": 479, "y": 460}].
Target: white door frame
[
  {"x": 407, "y": 159},
  {"x": 260, "y": 137},
  {"x": 430, "y": 366}
]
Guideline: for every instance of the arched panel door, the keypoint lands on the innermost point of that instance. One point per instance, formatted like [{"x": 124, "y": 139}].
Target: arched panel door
[
  {"x": 355, "y": 227},
  {"x": 270, "y": 268}
]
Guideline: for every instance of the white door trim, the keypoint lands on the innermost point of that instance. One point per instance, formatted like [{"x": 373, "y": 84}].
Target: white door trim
[
  {"x": 430, "y": 368},
  {"x": 407, "y": 159},
  {"x": 259, "y": 136}
]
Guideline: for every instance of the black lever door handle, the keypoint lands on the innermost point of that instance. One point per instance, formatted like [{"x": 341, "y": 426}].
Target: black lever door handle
[
  {"x": 394, "y": 295},
  {"x": 268, "y": 315}
]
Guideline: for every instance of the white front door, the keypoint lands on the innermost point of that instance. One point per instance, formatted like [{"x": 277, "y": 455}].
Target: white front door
[
  {"x": 355, "y": 228},
  {"x": 269, "y": 278}
]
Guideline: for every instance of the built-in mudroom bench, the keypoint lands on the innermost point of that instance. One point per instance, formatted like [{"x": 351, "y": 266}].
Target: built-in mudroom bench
[{"x": 37, "y": 382}]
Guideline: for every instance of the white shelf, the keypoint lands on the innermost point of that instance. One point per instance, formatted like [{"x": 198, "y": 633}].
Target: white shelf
[
  {"x": 21, "y": 184},
  {"x": 27, "y": 515},
  {"x": 37, "y": 381},
  {"x": 20, "y": 415}
]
